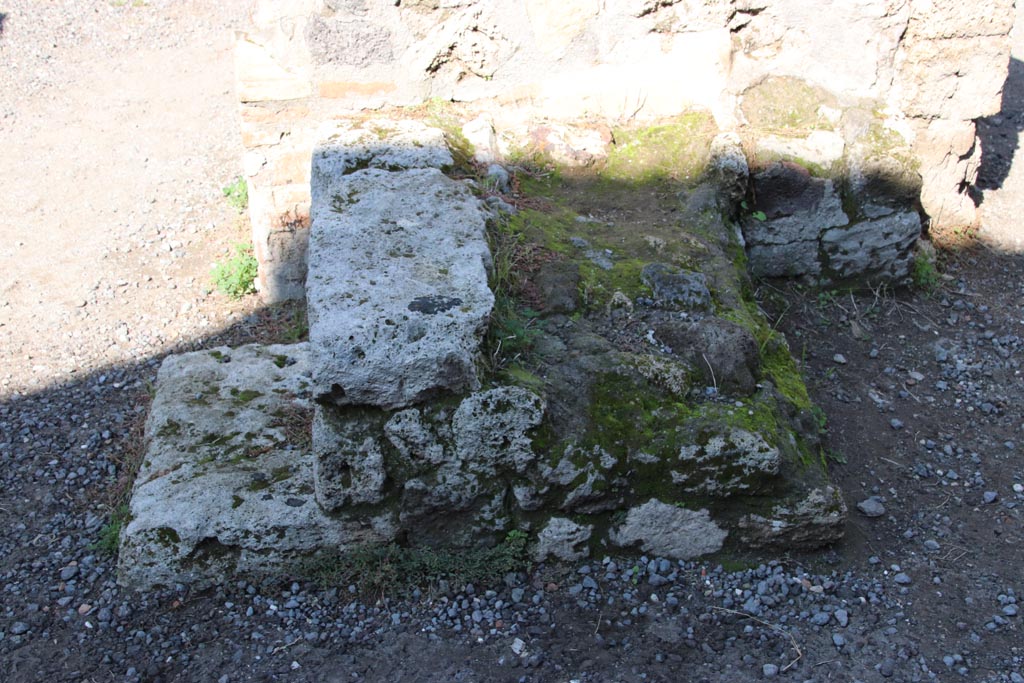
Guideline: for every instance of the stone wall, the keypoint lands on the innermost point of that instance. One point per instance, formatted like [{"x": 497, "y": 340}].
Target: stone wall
[{"x": 828, "y": 79}]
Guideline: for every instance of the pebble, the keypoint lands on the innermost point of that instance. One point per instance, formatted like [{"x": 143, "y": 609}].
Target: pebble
[
  {"x": 770, "y": 670},
  {"x": 871, "y": 507},
  {"x": 902, "y": 579},
  {"x": 990, "y": 497},
  {"x": 843, "y": 617},
  {"x": 839, "y": 358}
]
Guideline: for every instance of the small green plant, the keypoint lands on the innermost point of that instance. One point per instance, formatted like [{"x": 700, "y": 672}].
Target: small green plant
[
  {"x": 514, "y": 327},
  {"x": 236, "y": 277},
  {"x": 110, "y": 534},
  {"x": 820, "y": 419},
  {"x": 826, "y": 298},
  {"x": 924, "y": 274},
  {"x": 759, "y": 216},
  {"x": 835, "y": 456},
  {"x": 237, "y": 193},
  {"x": 298, "y": 328}
]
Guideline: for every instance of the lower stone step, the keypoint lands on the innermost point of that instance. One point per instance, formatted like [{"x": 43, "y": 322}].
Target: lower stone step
[{"x": 226, "y": 483}]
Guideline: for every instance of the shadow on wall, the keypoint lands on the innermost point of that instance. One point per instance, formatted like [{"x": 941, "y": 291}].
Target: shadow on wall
[
  {"x": 3, "y": 17},
  {"x": 1000, "y": 134}
]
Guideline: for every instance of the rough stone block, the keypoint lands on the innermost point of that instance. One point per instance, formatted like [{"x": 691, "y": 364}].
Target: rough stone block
[
  {"x": 562, "y": 539},
  {"x": 384, "y": 144},
  {"x": 797, "y": 208},
  {"x": 880, "y": 249},
  {"x": 397, "y": 287},
  {"x": 670, "y": 531},
  {"x": 449, "y": 457},
  {"x": 226, "y": 483},
  {"x": 814, "y": 520}
]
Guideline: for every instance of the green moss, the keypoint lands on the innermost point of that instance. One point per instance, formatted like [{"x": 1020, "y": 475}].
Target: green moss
[
  {"x": 280, "y": 361},
  {"x": 787, "y": 105},
  {"x": 244, "y": 396},
  {"x": 167, "y": 536},
  {"x": 520, "y": 376},
  {"x": 678, "y": 150},
  {"x": 236, "y": 502},
  {"x": 169, "y": 428},
  {"x": 776, "y": 360}
]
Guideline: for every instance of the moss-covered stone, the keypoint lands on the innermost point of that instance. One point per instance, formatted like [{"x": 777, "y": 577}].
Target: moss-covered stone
[{"x": 788, "y": 105}]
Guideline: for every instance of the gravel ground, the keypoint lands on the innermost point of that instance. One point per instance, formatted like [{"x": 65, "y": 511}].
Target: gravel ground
[{"x": 118, "y": 129}]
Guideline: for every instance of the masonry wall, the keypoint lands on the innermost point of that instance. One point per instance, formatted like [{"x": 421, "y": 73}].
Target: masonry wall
[{"x": 772, "y": 70}]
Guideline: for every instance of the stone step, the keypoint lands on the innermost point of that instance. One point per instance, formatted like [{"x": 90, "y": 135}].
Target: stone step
[
  {"x": 398, "y": 263},
  {"x": 226, "y": 483}
]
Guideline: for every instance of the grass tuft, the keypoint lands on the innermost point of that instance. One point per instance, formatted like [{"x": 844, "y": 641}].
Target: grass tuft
[
  {"x": 236, "y": 277},
  {"x": 237, "y": 194}
]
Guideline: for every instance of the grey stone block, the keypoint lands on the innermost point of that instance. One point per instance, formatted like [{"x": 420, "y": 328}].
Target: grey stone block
[
  {"x": 397, "y": 288},
  {"x": 226, "y": 484}
]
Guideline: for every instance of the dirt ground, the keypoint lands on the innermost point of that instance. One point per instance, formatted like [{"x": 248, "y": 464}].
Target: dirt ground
[{"x": 118, "y": 129}]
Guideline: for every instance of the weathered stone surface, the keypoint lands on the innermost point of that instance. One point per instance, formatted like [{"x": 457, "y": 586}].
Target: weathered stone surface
[
  {"x": 881, "y": 249},
  {"x": 676, "y": 288},
  {"x": 226, "y": 484},
  {"x": 728, "y": 171},
  {"x": 797, "y": 208},
  {"x": 397, "y": 287},
  {"x": 490, "y": 429},
  {"x": 481, "y": 134},
  {"x": 949, "y": 156},
  {"x": 729, "y": 463},
  {"x": 562, "y": 539},
  {"x": 820, "y": 148},
  {"x": 558, "y": 282},
  {"x": 260, "y": 77},
  {"x": 882, "y": 178},
  {"x": 384, "y": 144},
  {"x": 445, "y": 459},
  {"x": 669, "y": 531},
  {"x": 348, "y": 459},
  {"x": 811, "y": 522},
  {"x": 724, "y": 353},
  {"x": 571, "y": 145}
]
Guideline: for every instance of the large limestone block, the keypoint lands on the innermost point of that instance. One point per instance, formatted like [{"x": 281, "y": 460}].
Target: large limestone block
[
  {"x": 949, "y": 162},
  {"x": 955, "y": 78},
  {"x": 397, "y": 286},
  {"x": 226, "y": 484}
]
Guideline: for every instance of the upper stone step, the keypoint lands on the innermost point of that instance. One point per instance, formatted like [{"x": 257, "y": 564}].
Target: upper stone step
[{"x": 398, "y": 262}]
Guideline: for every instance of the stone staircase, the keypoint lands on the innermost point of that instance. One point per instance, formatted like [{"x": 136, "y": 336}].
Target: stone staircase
[{"x": 383, "y": 427}]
